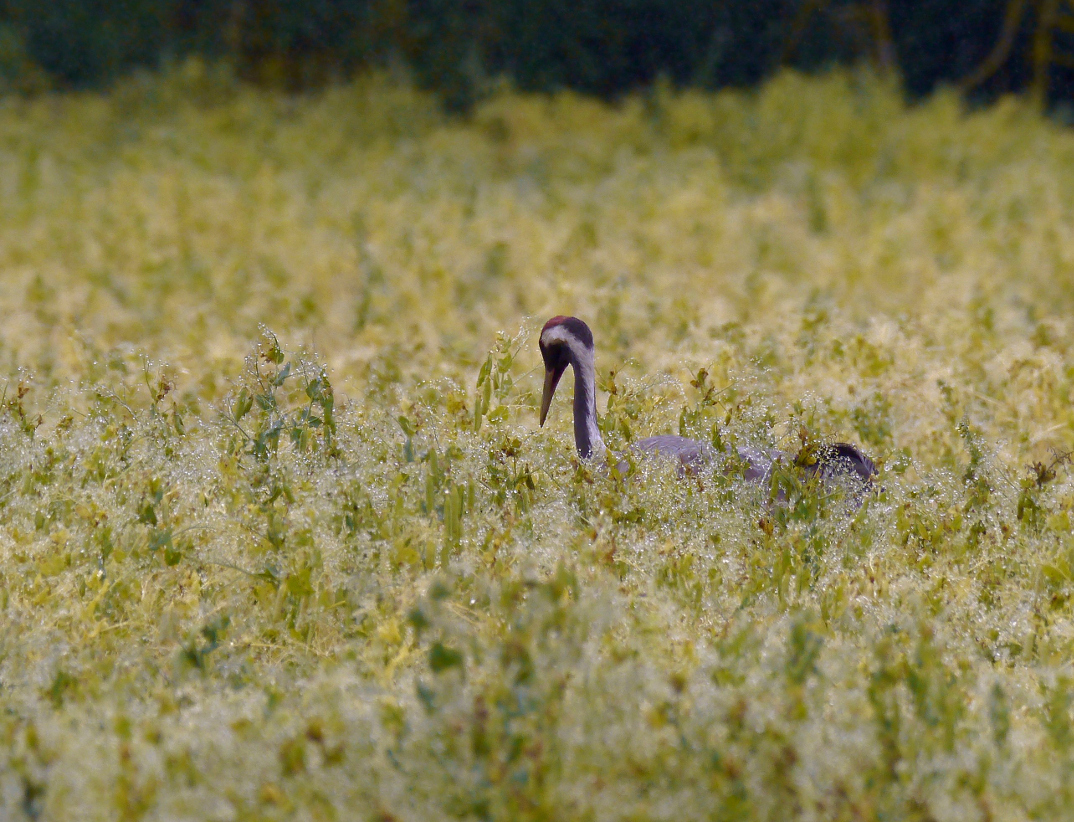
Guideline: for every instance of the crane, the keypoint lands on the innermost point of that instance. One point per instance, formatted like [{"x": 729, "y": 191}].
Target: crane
[{"x": 569, "y": 341}]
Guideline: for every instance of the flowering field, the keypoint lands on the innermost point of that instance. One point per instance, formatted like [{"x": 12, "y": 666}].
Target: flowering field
[{"x": 280, "y": 537}]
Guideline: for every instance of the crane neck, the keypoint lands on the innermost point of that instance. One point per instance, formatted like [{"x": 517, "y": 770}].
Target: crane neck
[{"x": 587, "y": 437}]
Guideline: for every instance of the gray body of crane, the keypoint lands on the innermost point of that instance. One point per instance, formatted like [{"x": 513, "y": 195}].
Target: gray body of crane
[{"x": 568, "y": 341}]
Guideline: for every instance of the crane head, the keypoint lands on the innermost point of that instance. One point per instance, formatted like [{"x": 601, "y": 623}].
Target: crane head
[{"x": 564, "y": 340}]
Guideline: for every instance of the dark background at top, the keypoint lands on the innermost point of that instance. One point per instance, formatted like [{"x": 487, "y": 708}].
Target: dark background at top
[{"x": 604, "y": 47}]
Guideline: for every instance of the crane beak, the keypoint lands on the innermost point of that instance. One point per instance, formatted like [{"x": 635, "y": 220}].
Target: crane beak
[{"x": 551, "y": 380}]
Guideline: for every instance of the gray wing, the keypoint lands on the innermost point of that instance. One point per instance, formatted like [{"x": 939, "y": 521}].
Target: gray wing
[
  {"x": 686, "y": 450},
  {"x": 837, "y": 460},
  {"x": 759, "y": 463},
  {"x": 695, "y": 453}
]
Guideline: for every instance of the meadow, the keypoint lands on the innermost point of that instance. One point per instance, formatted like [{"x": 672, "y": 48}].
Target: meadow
[{"x": 280, "y": 537}]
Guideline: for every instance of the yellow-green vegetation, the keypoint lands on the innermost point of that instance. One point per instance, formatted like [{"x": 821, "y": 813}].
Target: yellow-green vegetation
[{"x": 280, "y": 536}]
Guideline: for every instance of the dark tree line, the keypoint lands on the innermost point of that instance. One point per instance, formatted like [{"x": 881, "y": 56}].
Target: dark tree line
[{"x": 603, "y": 47}]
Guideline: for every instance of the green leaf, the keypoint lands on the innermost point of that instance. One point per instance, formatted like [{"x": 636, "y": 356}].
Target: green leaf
[
  {"x": 172, "y": 555},
  {"x": 275, "y": 353},
  {"x": 282, "y": 376},
  {"x": 486, "y": 369},
  {"x": 160, "y": 539},
  {"x": 417, "y": 619},
  {"x": 147, "y": 514},
  {"x": 243, "y": 403},
  {"x": 442, "y": 657}
]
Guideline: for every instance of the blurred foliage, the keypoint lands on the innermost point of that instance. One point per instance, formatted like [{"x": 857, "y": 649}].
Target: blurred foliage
[{"x": 605, "y": 47}]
